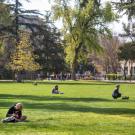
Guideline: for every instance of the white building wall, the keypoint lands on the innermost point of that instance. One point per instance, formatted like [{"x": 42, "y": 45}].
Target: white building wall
[{"x": 128, "y": 66}]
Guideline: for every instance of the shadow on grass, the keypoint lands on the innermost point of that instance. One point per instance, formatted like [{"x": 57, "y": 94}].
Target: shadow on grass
[
  {"x": 60, "y": 107},
  {"x": 64, "y": 106},
  {"x": 53, "y": 98},
  {"x": 79, "y": 108}
]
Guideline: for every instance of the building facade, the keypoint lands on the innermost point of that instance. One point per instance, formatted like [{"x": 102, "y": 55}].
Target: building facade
[{"x": 129, "y": 68}]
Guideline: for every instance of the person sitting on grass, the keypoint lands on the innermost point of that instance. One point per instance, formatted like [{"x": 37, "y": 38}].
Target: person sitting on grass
[
  {"x": 14, "y": 114},
  {"x": 116, "y": 94},
  {"x": 55, "y": 90}
]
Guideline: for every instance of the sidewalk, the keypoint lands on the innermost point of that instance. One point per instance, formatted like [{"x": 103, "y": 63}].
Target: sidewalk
[
  {"x": 109, "y": 81},
  {"x": 119, "y": 81}
]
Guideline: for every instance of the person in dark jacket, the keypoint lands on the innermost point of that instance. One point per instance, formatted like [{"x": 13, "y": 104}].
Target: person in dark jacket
[
  {"x": 116, "y": 94},
  {"x": 14, "y": 114}
]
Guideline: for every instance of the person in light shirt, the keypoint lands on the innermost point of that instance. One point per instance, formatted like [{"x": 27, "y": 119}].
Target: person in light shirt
[{"x": 55, "y": 90}]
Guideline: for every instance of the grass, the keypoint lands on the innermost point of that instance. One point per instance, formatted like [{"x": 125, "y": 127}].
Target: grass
[{"x": 86, "y": 108}]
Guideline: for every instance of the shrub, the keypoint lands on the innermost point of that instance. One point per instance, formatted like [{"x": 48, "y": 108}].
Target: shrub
[{"x": 114, "y": 76}]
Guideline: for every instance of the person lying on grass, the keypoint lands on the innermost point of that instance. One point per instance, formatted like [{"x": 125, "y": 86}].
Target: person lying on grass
[
  {"x": 116, "y": 94},
  {"x": 14, "y": 114},
  {"x": 55, "y": 90}
]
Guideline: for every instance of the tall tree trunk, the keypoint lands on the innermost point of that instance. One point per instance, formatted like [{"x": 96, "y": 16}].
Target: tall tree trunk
[
  {"x": 16, "y": 21},
  {"x": 74, "y": 64}
]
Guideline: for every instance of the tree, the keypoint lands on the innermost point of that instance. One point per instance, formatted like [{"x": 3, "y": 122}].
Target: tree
[
  {"x": 127, "y": 7},
  {"x": 44, "y": 37},
  {"x": 109, "y": 57},
  {"x": 49, "y": 47},
  {"x": 4, "y": 14},
  {"x": 5, "y": 19},
  {"x": 82, "y": 24},
  {"x": 17, "y": 17},
  {"x": 127, "y": 54},
  {"x": 127, "y": 51},
  {"x": 23, "y": 58}
]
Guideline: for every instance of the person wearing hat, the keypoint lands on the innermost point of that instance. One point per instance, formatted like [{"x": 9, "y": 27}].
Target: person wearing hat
[
  {"x": 14, "y": 114},
  {"x": 116, "y": 94}
]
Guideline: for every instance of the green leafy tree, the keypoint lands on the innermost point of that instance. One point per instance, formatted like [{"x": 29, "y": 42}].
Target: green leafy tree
[
  {"x": 127, "y": 51},
  {"x": 23, "y": 58},
  {"x": 4, "y": 14},
  {"x": 17, "y": 17},
  {"x": 127, "y": 54},
  {"x": 5, "y": 19},
  {"x": 83, "y": 22},
  {"x": 20, "y": 14},
  {"x": 127, "y": 7},
  {"x": 49, "y": 47},
  {"x": 44, "y": 37}
]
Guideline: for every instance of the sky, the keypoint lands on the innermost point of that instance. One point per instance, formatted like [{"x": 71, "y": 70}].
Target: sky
[
  {"x": 41, "y": 5},
  {"x": 44, "y": 5}
]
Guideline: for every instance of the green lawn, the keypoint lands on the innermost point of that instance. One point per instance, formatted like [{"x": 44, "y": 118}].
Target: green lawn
[{"x": 86, "y": 108}]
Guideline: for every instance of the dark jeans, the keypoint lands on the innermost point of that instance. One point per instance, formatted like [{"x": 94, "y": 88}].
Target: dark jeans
[{"x": 117, "y": 95}]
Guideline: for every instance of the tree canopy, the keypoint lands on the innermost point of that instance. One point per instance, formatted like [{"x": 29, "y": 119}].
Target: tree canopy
[
  {"x": 127, "y": 7},
  {"x": 23, "y": 57},
  {"x": 83, "y": 22}
]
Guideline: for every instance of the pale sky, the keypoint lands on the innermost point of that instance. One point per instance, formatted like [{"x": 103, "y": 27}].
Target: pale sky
[{"x": 43, "y": 5}]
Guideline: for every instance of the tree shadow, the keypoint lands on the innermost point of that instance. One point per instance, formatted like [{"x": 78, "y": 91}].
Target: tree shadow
[
  {"x": 80, "y": 108},
  {"x": 53, "y": 98},
  {"x": 60, "y": 107},
  {"x": 64, "y": 106}
]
